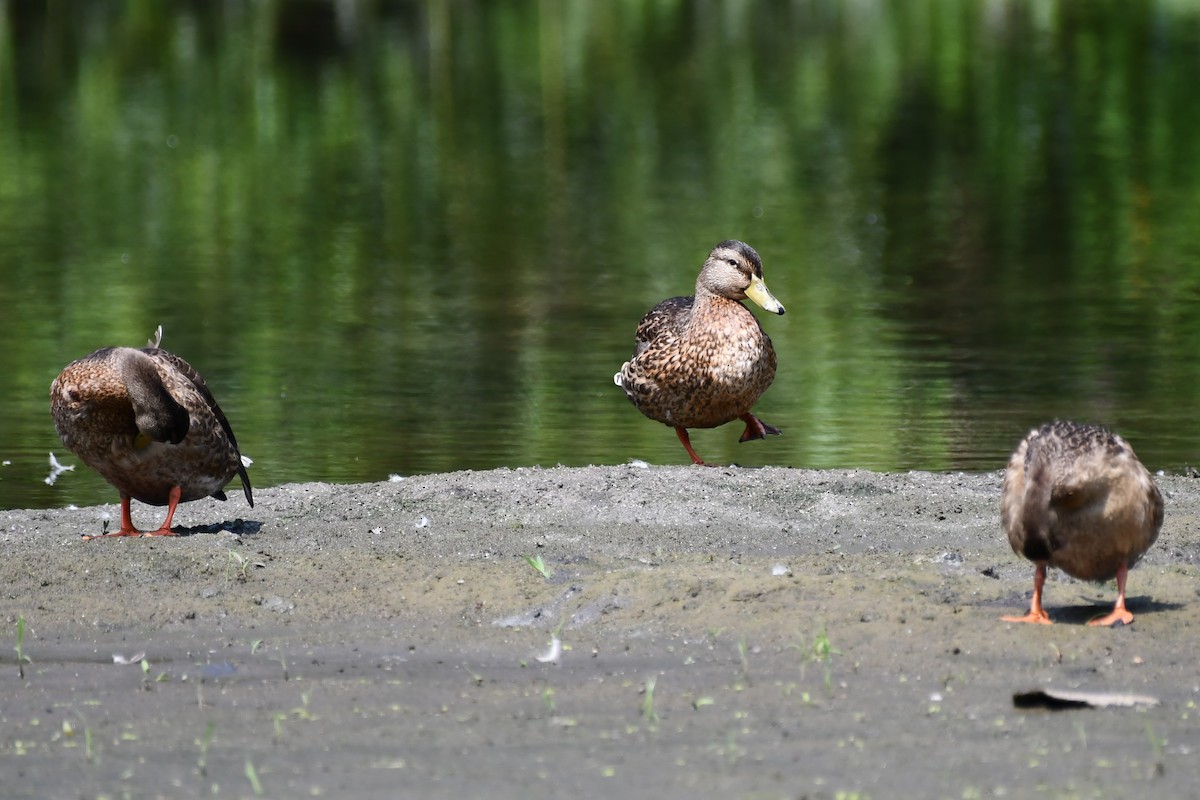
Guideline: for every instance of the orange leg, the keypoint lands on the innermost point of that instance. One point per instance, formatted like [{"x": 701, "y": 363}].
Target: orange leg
[
  {"x": 1119, "y": 613},
  {"x": 687, "y": 444},
  {"x": 756, "y": 428},
  {"x": 127, "y": 528},
  {"x": 1036, "y": 614},
  {"x": 172, "y": 502}
]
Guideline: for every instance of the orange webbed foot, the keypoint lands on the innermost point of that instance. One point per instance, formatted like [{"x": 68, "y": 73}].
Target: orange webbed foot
[
  {"x": 130, "y": 531},
  {"x": 127, "y": 528},
  {"x": 1037, "y": 615},
  {"x": 1118, "y": 616},
  {"x": 757, "y": 429}
]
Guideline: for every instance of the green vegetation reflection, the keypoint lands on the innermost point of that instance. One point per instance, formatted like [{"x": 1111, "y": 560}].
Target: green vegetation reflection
[{"x": 403, "y": 238}]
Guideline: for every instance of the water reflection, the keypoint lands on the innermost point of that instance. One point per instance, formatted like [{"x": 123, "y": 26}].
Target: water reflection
[{"x": 417, "y": 237}]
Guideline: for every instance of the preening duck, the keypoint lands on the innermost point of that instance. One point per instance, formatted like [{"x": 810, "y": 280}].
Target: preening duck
[{"x": 146, "y": 421}]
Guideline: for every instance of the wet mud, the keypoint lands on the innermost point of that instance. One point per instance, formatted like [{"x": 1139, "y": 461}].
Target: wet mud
[{"x": 756, "y": 633}]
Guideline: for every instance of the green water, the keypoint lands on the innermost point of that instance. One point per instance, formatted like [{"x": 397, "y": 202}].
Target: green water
[{"x": 417, "y": 237}]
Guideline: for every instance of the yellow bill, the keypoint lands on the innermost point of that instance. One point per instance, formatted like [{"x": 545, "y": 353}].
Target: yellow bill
[{"x": 759, "y": 293}]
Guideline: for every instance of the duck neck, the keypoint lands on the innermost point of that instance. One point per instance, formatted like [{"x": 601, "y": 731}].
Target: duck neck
[
  {"x": 708, "y": 308},
  {"x": 157, "y": 414},
  {"x": 707, "y": 295}
]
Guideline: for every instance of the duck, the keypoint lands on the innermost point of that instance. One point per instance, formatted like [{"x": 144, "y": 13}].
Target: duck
[
  {"x": 704, "y": 360},
  {"x": 1076, "y": 497},
  {"x": 147, "y": 422}
]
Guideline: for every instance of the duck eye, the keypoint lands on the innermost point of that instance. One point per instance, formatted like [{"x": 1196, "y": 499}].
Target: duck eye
[{"x": 733, "y": 262}]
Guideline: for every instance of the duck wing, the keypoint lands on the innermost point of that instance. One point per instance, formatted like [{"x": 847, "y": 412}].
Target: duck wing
[
  {"x": 665, "y": 319},
  {"x": 196, "y": 379}
]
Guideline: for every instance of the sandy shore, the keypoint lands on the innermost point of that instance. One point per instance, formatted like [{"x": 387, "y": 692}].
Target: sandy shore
[{"x": 721, "y": 633}]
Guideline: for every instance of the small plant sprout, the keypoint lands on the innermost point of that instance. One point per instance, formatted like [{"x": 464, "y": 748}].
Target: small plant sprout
[
  {"x": 68, "y": 731},
  {"x": 252, "y": 776},
  {"x": 475, "y": 676},
  {"x": 731, "y": 750},
  {"x": 22, "y": 659},
  {"x": 538, "y": 564},
  {"x": 203, "y": 743},
  {"x": 302, "y": 712},
  {"x": 548, "y": 699},
  {"x": 257, "y": 643},
  {"x": 242, "y": 565},
  {"x": 824, "y": 652},
  {"x": 162, "y": 676},
  {"x": 1156, "y": 746},
  {"x": 648, "y": 712}
]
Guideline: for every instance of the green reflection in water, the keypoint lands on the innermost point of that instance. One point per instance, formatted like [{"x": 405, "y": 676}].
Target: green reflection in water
[{"x": 403, "y": 238}]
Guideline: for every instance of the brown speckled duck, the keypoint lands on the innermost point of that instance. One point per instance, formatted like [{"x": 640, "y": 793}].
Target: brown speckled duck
[
  {"x": 146, "y": 421},
  {"x": 1077, "y": 498},
  {"x": 702, "y": 361}
]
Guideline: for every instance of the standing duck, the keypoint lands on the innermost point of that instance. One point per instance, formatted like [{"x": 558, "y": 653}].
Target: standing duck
[
  {"x": 1077, "y": 498},
  {"x": 702, "y": 361},
  {"x": 146, "y": 421}
]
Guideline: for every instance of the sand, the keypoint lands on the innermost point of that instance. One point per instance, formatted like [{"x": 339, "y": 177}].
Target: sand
[{"x": 725, "y": 632}]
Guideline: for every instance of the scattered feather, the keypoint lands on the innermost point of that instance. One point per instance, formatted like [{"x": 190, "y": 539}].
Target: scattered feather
[
  {"x": 120, "y": 659},
  {"x": 553, "y": 652},
  {"x": 637, "y": 462},
  {"x": 423, "y": 522},
  {"x": 394, "y": 478},
  {"x": 57, "y": 469},
  {"x": 247, "y": 461},
  {"x": 781, "y": 569}
]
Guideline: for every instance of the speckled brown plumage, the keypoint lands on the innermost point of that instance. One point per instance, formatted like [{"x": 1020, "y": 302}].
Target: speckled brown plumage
[
  {"x": 704, "y": 360},
  {"x": 147, "y": 422},
  {"x": 1076, "y": 497}
]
